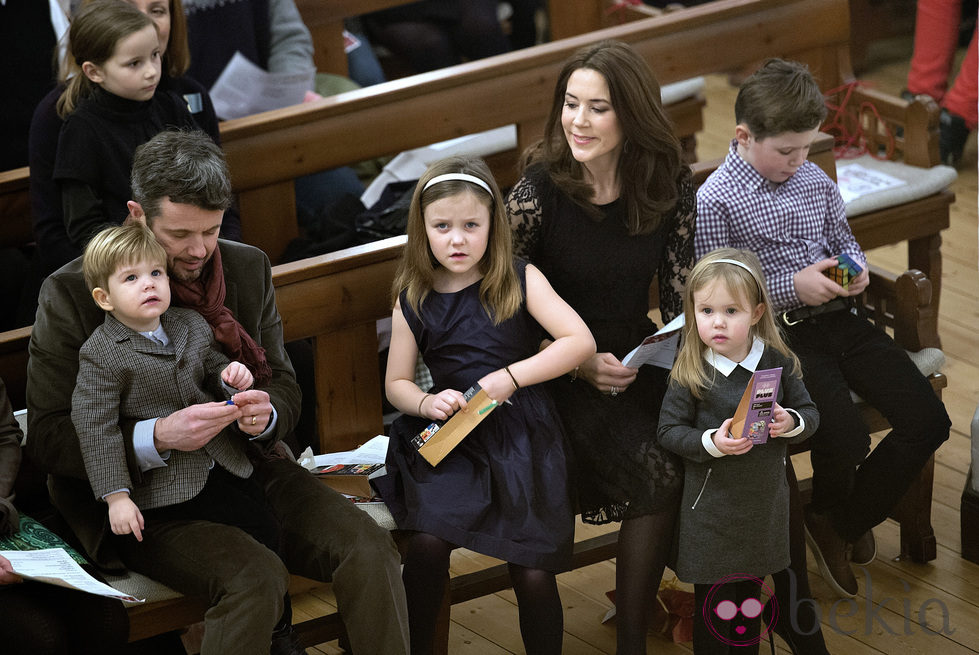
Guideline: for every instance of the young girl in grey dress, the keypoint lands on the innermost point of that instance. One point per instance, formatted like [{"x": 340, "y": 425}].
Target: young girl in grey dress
[{"x": 734, "y": 514}]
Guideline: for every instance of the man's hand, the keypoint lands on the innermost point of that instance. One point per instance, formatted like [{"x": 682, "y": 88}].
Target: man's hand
[
  {"x": 256, "y": 411},
  {"x": 7, "y": 575},
  {"x": 193, "y": 427},
  {"x": 814, "y": 288},
  {"x": 722, "y": 439},
  {"x": 124, "y": 516}
]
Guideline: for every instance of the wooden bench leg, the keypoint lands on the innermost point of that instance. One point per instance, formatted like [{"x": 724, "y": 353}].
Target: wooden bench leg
[
  {"x": 969, "y": 517},
  {"x": 914, "y": 515}
]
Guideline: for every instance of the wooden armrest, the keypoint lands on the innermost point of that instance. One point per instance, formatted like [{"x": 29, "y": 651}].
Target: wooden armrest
[
  {"x": 903, "y": 304},
  {"x": 917, "y": 121}
]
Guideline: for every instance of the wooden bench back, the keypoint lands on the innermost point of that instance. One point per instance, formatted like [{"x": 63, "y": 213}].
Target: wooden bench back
[{"x": 266, "y": 152}]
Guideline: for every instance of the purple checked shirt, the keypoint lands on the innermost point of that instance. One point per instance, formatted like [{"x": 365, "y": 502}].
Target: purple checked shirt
[{"x": 789, "y": 226}]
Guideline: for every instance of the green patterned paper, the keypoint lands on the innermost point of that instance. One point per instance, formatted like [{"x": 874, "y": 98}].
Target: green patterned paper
[{"x": 34, "y": 536}]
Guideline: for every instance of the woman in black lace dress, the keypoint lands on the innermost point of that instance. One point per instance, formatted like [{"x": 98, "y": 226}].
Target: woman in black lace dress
[{"x": 604, "y": 207}]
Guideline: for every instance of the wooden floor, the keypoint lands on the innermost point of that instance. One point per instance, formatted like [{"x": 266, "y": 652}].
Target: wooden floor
[{"x": 896, "y": 597}]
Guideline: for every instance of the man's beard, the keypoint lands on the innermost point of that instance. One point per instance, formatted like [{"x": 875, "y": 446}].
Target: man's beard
[{"x": 184, "y": 275}]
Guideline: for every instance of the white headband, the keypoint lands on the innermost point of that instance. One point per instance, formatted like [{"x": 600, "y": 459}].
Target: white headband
[
  {"x": 742, "y": 265},
  {"x": 457, "y": 176}
]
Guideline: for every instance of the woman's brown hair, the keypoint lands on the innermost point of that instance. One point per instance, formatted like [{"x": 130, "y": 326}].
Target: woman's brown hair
[{"x": 649, "y": 168}]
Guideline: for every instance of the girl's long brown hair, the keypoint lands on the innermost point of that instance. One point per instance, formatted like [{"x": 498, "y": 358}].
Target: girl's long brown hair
[
  {"x": 176, "y": 59},
  {"x": 93, "y": 36},
  {"x": 499, "y": 290}
]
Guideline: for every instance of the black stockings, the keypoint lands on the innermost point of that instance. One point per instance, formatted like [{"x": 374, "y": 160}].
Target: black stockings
[
  {"x": 426, "y": 575},
  {"x": 644, "y": 546},
  {"x": 541, "y": 614}
]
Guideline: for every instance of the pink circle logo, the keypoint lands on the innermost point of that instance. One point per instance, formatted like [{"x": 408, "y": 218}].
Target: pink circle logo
[{"x": 728, "y": 622}]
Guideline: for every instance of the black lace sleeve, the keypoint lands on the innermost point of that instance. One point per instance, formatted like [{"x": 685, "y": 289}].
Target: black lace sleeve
[
  {"x": 678, "y": 258},
  {"x": 523, "y": 208}
]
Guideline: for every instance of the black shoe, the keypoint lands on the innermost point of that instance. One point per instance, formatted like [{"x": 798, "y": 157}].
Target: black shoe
[
  {"x": 864, "y": 549},
  {"x": 799, "y": 644},
  {"x": 285, "y": 641},
  {"x": 953, "y": 134},
  {"x": 832, "y": 554}
]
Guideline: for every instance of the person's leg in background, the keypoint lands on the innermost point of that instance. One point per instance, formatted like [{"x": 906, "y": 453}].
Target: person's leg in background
[
  {"x": 936, "y": 31},
  {"x": 644, "y": 548},
  {"x": 959, "y": 115},
  {"x": 936, "y": 35},
  {"x": 362, "y": 64}
]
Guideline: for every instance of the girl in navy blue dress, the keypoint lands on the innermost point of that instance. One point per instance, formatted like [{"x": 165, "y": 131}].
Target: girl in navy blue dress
[{"x": 477, "y": 316}]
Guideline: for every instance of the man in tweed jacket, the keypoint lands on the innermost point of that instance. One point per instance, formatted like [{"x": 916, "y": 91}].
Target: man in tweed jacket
[{"x": 181, "y": 186}]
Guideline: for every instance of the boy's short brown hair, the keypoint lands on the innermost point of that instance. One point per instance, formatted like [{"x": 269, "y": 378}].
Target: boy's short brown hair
[
  {"x": 118, "y": 246},
  {"x": 781, "y": 96}
]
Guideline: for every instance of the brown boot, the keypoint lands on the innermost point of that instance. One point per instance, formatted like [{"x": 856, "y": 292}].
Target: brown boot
[{"x": 832, "y": 554}]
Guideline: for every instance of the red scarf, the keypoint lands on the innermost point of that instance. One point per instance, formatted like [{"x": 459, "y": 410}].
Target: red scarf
[{"x": 206, "y": 296}]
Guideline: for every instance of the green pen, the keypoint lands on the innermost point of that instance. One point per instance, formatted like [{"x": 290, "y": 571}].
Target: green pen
[{"x": 492, "y": 404}]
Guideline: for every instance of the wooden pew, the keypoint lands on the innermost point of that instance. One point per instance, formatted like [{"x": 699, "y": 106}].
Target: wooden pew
[
  {"x": 267, "y": 151},
  {"x": 335, "y": 300},
  {"x": 325, "y": 23},
  {"x": 876, "y": 19}
]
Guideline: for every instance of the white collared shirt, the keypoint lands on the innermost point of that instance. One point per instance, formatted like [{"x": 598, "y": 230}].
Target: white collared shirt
[{"x": 726, "y": 367}]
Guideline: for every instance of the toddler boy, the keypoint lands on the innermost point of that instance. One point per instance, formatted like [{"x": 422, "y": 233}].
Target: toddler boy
[
  {"x": 147, "y": 360},
  {"x": 767, "y": 197}
]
